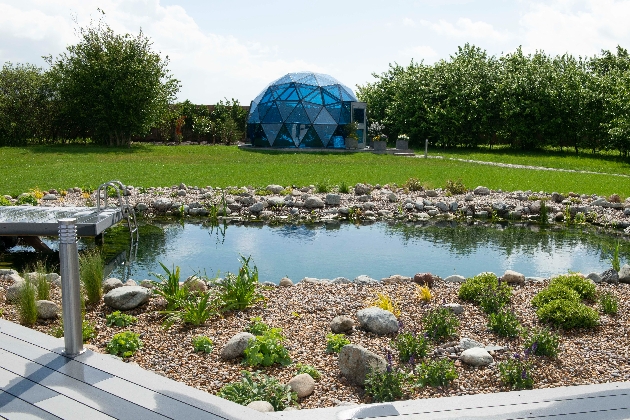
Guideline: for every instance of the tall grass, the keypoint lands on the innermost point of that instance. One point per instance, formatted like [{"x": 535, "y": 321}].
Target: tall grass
[
  {"x": 41, "y": 282},
  {"x": 239, "y": 291},
  {"x": 27, "y": 309},
  {"x": 170, "y": 288},
  {"x": 91, "y": 273}
]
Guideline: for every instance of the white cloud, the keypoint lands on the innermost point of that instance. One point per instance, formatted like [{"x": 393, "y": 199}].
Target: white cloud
[
  {"x": 408, "y": 22},
  {"x": 418, "y": 53},
  {"x": 465, "y": 28}
]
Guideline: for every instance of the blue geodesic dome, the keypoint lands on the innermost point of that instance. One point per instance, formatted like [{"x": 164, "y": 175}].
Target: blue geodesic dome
[{"x": 301, "y": 110}]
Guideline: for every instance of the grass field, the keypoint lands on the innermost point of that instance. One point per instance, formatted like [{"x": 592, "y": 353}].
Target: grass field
[{"x": 61, "y": 167}]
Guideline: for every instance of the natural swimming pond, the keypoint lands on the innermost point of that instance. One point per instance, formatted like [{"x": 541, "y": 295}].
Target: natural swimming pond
[{"x": 345, "y": 250}]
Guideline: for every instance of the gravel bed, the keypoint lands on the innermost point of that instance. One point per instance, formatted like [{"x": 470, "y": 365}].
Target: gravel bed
[{"x": 304, "y": 311}]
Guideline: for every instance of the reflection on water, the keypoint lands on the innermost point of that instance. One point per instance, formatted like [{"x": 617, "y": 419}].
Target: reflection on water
[{"x": 378, "y": 250}]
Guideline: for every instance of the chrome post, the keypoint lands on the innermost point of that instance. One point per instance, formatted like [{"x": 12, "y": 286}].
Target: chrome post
[{"x": 70, "y": 287}]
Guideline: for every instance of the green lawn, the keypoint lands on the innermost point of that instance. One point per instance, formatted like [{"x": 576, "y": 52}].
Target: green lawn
[{"x": 61, "y": 167}]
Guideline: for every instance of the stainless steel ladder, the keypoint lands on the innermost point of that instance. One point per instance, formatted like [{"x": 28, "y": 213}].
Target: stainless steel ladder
[{"x": 126, "y": 210}]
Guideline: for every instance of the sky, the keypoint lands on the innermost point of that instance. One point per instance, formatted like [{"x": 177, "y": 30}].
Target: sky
[{"x": 233, "y": 49}]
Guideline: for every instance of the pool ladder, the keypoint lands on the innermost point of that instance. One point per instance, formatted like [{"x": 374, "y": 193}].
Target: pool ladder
[{"x": 126, "y": 210}]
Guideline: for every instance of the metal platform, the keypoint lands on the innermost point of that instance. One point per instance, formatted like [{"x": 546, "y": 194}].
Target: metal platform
[{"x": 43, "y": 221}]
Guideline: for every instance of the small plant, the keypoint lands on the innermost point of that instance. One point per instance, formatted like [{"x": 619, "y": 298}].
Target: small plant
[
  {"x": 413, "y": 184},
  {"x": 88, "y": 331},
  {"x": 608, "y": 303},
  {"x": 436, "y": 373},
  {"x": 267, "y": 349},
  {"x": 195, "y": 310},
  {"x": 383, "y": 301},
  {"x": 516, "y": 372},
  {"x": 504, "y": 324},
  {"x": 386, "y": 386},
  {"x": 542, "y": 342},
  {"x": 43, "y": 286},
  {"x": 202, "y": 343},
  {"x": 440, "y": 323},
  {"x": 124, "y": 344},
  {"x": 344, "y": 188},
  {"x": 239, "y": 291},
  {"x": 568, "y": 314},
  {"x": 456, "y": 187},
  {"x": 584, "y": 287},
  {"x": 4, "y": 201},
  {"x": 119, "y": 319},
  {"x": 263, "y": 192},
  {"x": 259, "y": 387},
  {"x": 424, "y": 293},
  {"x": 91, "y": 274},
  {"x": 614, "y": 260},
  {"x": 308, "y": 369},
  {"x": 475, "y": 288},
  {"x": 579, "y": 219},
  {"x": 170, "y": 288},
  {"x": 335, "y": 342},
  {"x": 256, "y": 326},
  {"x": 493, "y": 299},
  {"x": 27, "y": 310},
  {"x": 410, "y": 346},
  {"x": 544, "y": 213},
  {"x": 322, "y": 187},
  {"x": 26, "y": 199}
]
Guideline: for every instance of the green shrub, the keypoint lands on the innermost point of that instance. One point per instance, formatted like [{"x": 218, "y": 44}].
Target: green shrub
[
  {"x": 584, "y": 287},
  {"x": 568, "y": 314},
  {"x": 322, "y": 187},
  {"x": 267, "y": 349},
  {"x": 88, "y": 331},
  {"x": 170, "y": 288},
  {"x": 27, "y": 310},
  {"x": 256, "y": 326},
  {"x": 91, "y": 273},
  {"x": 4, "y": 201},
  {"x": 485, "y": 289},
  {"x": 195, "y": 310},
  {"x": 413, "y": 184},
  {"x": 516, "y": 373},
  {"x": 388, "y": 385},
  {"x": 202, "y": 343},
  {"x": 124, "y": 344},
  {"x": 335, "y": 342},
  {"x": 440, "y": 323},
  {"x": 239, "y": 291},
  {"x": 308, "y": 369},
  {"x": 344, "y": 188},
  {"x": 608, "y": 303},
  {"x": 436, "y": 373},
  {"x": 27, "y": 199},
  {"x": 493, "y": 299},
  {"x": 118, "y": 319},
  {"x": 410, "y": 346},
  {"x": 259, "y": 387},
  {"x": 556, "y": 292},
  {"x": 456, "y": 187},
  {"x": 542, "y": 342},
  {"x": 504, "y": 324}
]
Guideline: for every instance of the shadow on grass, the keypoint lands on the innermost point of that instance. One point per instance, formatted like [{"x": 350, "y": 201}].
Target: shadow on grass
[{"x": 81, "y": 149}]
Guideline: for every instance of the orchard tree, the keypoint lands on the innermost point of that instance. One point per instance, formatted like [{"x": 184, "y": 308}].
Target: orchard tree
[{"x": 113, "y": 86}]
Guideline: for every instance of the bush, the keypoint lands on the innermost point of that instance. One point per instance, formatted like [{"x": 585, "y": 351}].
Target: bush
[
  {"x": 335, "y": 342},
  {"x": 493, "y": 299},
  {"x": 484, "y": 286},
  {"x": 584, "y": 287},
  {"x": 551, "y": 293},
  {"x": 386, "y": 386},
  {"x": 170, "y": 288},
  {"x": 413, "y": 184},
  {"x": 239, "y": 291},
  {"x": 436, "y": 373},
  {"x": 542, "y": 342},
  {"x": 195, "y": 310},
  {"x": 256, "y": 326},
  {"x": 27, "y": 310},
  {"x": 267, "y": 349},
  {"x": 322, "y": 187},
  {"x": 608, "y": 303},
  {"x": 202, "y": 343},
  {"x": 504, "y": 324},
  {"x": 568, "y": 314},
  {"x": 344, "y": 188},
  {"x": 410, "y": 347},
  {"x": 440, "y": 323},
  {"x": 456, "y": 187},
  {"x": 308, "y": 369},
  {"x": 118, "y": 319},
  {"x": 516, "y": 373},
  {"x": 124, "y": 344},
  {"x": 4, "y": 201},
  {"x": 259, "y": 387},
  {"x": 91, "y": 274},
  {"x": 385, "y": 302},
  {"x": 27, "y": 199}
]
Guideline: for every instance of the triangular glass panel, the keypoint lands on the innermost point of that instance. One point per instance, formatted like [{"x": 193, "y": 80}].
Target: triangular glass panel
[
  {"x": 328, "y": 98},
  {"x": 323, "y": 80},
  {"x": 304, "y": 90},
  {"x": 315, "y": 97},
  {"x": 311, "y": 110},
  {"x": 344, "y": 118},
  {"x": 263, "y": 109},
  {"x": 324, "y": 117},
  {"x": 283, "y": 79},
  {"x": 334, "y": 110},
  {"x": 280, "y": 89},
  {"x": 253, "y": 116},
  {"x": 286, "y": 107},
  {"x": 289, "y": 95},
  {"x": 311, "y": 139},
  {"x": 309, "y": 80},
  {"x": 271, "y": 131},
  {"x": 259, "y": 138},
  {"x": 298, "y": 116},
  {"x": 284, "y": 138},
  {"x": 347, "y": 94},
  {"x": 324, "y": 131},
  {"x": 296, "y": 77},
  {"x": 297, "y": 132},
  {"x": 273, "y": 115},
  {"x": 268, "y": 96},
  {"x": 334, "y": 92}
]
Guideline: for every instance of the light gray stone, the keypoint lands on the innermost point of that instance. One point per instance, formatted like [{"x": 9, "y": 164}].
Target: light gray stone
[
  {"x": 130, "y": 282},
  {"x": 476, "y": 356},
  {"x": 442, "y": 206},
  {"x": 276, "y": 189},
  {"x": 256, "y": 207},
  {"x": 13, "y": 291},
  {"x": 610, "y": 276},
  {"x": 262, "y": 406},
  {"x": 46, "y": 309},
  {"x": 162, "y": 204},
  {"x": 333, "y": 199},
  {"x": 111, "y": 284},
  {"x": 481, "y": 190},
  {"x": 363, "y": 279},
  {"x": 126, "y": 298},
  {"x": 377, "y": 320},
  {"x": 362, "y": 189},
  {"x": 455, "y": 278},
  {"x": 195, "y": 284},
  {"x": 141, "y": 207},
  {"x": 302, "y": 384},
  {"x": 431, "y": 193},
  {"x": 355, "y": 362},
  {"x": 624, "y": 274},
  {"x": 341, "y": 324},
  {"x": 147, "y": 283},
  {"x": 513, "y": 277},
  {"x": 313, "y": 202},
  {"x": 49, "y": 197},
  {"x": 392, "y": 197},
  {"x": 276, "y": 202},
  {"x": 341, "y": 280},
  {"x": 456, "y": 308},
  {"x": 285, "y": 282},
  {"x": 595, "y": 277},
  {"x": 236, "y": 345},
  {"x": 468, "y": 343}
]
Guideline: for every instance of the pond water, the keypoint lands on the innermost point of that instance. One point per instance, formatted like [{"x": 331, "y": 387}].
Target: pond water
[{"x": 345, "y": 250}]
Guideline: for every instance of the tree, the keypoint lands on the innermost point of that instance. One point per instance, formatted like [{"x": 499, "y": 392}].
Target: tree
[{"x": 113, "y": 86}]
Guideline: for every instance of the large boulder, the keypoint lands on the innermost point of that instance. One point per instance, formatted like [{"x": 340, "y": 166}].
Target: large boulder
[
  {"x": 341, "y": 324},
  {"x": 377, "y": 320},
  {"x": 608, "y": 276},
  {"x": 476, "y": 356},
  {"x": 13, "y": 291},
  {"x": 126, "y": 298},
  {"x": 624, "y": 274},
  {"x": 46, "y": 309},
  {"x": 236, "y": 345},
  {"x": 355, "y": 362},
  {"x": 512, "y": 277},
  {"x": 111, "y": 284},
  {"x": 313, "y": 202},
  {"x": 302, "y": 384}
]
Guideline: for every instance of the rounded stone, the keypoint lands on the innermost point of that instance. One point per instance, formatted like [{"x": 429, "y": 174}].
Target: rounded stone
[
  {"x": 341, "y": 324},
  {"x": 126, "y": 298},
  {"x": 355, "y": 362},
  {"x": 262, "y": 406},
  {"x": 285, "y": 282},
  {"x": 236, "y": 345},
  {"x": 512, "y": 277},
  {"x": 111, "y": 284},
  {"x": 46, "y": 309},
  {"x": 302, "y": 384},
  {"x": 476, "y": 356},
  {"x": 377, "y": 320}
]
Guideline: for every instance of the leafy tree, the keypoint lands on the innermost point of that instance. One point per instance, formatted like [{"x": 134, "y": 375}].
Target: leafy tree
[{"x": 113, "y": 86}]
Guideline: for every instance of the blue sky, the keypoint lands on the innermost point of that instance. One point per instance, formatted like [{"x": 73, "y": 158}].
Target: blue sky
[{"x": 234, "y": 48}]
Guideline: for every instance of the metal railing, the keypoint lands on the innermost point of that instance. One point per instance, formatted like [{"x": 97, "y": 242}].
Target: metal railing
[{"x": 123, "y": 202}]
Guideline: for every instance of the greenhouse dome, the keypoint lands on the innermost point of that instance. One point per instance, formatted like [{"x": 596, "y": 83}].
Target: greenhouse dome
[{"x": 305, "y": 110}]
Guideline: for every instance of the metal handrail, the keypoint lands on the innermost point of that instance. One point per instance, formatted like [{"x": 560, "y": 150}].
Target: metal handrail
[{"x": 126, "y": 210}]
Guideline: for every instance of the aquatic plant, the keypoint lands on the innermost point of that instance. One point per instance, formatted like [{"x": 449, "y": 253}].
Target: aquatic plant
[
  {"x": 608, "y": 303},
  {"x": 238, "y": 292},
  {"x": 27, "y": 309},
  {"x": 170, "y": 289}
]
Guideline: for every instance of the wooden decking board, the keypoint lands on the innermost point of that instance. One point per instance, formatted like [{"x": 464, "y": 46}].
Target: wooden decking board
[{"x": 13, "y": 407}]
